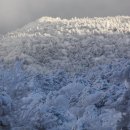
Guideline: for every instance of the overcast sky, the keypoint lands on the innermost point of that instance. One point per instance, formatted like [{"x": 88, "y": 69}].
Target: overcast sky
[{"x": 16, "y": 13}]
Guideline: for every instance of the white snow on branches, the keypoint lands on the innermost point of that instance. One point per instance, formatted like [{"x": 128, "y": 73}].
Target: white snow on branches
[{"x": 59, "y": 74}]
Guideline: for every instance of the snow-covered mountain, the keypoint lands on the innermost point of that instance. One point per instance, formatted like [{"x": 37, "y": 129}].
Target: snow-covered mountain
[{"x": 59, "y": 74}]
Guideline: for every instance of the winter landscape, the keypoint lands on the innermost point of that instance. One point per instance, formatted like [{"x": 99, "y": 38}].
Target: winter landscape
[{"x": 59, "y": 74}]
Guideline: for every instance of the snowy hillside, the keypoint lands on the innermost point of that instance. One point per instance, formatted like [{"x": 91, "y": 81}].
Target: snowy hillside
[{"x": 58, "y": 74}]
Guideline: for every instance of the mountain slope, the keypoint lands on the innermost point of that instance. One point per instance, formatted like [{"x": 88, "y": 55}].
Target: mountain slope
[
  {"x": 58, "y": 74},
  {"x": 70, "y": 44}
]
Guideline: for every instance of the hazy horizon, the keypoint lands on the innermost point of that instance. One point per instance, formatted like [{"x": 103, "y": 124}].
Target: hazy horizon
[{"x": 16, "y": 13}]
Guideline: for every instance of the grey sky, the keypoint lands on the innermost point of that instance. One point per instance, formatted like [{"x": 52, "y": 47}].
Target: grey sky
[{"x": 16, "y": 13}]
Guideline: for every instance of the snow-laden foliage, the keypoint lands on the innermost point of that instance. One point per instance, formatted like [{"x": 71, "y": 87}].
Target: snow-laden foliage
[
  {"x": 74, "y": 45},
  {"x": 73, "y": 102},
  {"x": 5, "y": 110},
  {"x": 65, "y": 75}
]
